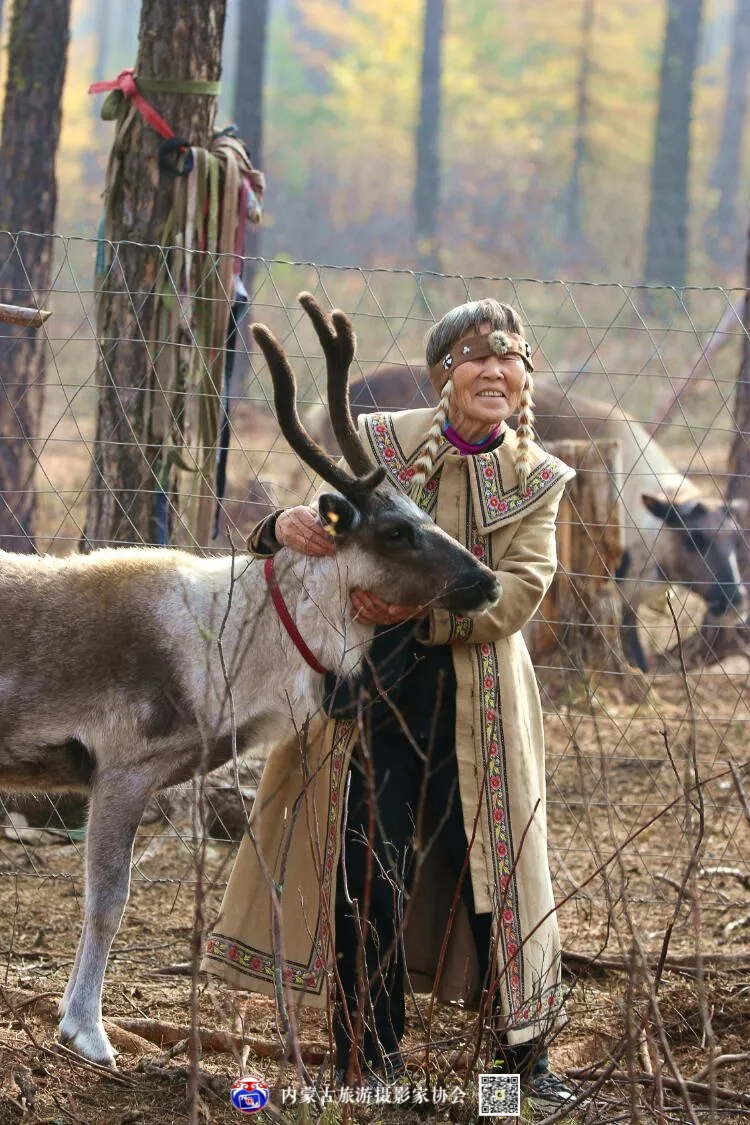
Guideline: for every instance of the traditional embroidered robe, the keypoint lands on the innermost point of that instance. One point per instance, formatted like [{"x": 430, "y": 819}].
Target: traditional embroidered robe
[{"x": 297, "y": 817}]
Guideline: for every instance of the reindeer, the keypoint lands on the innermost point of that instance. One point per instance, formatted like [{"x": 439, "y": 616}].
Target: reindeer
[
  {"x": 129, "y": 670},
  {"x": 675, "y": 532}
]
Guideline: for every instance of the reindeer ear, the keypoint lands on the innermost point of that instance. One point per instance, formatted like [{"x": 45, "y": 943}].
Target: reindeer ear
[
  {"x": 657, "y": 505},
  {"x": 337, "y": 514}
]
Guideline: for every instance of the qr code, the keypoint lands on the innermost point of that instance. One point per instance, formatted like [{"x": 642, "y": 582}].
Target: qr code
[{"x": 499, "y": 1095}]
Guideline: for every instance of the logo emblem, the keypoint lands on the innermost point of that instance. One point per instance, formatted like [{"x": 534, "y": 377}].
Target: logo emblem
[{"x": 249, "y": 1094}]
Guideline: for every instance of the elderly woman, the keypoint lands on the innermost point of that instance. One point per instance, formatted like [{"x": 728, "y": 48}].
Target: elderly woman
[{"x": 417, "y": 854}]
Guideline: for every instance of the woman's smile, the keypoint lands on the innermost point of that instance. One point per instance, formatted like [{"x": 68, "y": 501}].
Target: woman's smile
[{"x": 486, "y": 392}]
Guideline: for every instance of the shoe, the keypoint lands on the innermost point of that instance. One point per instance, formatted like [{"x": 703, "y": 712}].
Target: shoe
[{"x": 546, "y": 1087}]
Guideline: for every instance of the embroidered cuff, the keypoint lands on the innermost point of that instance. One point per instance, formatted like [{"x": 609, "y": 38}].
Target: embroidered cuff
[{"x": 441, "y": 627}]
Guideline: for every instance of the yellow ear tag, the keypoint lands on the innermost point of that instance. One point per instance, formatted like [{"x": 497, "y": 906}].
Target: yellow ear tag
[{"x": 330, "y": 525}]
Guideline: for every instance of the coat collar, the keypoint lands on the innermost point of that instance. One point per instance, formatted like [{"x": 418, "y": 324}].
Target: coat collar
[{"x": 395, "y": 441}]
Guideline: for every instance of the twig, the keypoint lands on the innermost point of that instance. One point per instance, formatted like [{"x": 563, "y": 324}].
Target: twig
[
  {"x": 720, "y": 1060},
  {"x": 212, "y": 1039},
  {"x": 736, "y": 925},
  {"x": 702, "y": 1089},
  {"x": 75, "y": 1059},
  {"x": 179, "y": 969},
  {"x": 692, "y": 761},
  {"x": 724, "y": 962},
  {"x": 731, "y": 872},
  {"x": 673, "y": 883}
]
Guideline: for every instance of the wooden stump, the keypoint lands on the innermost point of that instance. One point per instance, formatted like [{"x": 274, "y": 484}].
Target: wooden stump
[{"x": 577, "y": 626}]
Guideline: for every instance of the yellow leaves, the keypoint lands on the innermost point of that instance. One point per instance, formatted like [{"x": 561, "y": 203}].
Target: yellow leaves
[
  {"x": 77, "y": 135},
  {"x": 510, "y": 89}
]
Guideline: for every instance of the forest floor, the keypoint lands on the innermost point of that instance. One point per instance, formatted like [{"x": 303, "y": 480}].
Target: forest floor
[{"x": 621, "y": 839}]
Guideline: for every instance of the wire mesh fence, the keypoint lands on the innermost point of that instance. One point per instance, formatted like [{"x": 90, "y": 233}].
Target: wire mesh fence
[{"x": 649, "y": 824}]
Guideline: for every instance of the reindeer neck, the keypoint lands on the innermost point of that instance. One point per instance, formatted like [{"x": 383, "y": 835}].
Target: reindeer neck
[{"x": 316, "y": 592}]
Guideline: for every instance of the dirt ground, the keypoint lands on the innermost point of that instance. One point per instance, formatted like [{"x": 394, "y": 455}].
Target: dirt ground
[
  {"x": 623, "y": 837},
  {"x": 616, "y": 773}
]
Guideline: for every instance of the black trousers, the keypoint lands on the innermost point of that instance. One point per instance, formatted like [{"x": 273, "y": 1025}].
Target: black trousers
[{"x": 381, "y": 834}]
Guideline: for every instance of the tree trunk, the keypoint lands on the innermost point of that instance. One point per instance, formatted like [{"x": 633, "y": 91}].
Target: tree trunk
[
  {"x": 738, "y": 466},
  {"x": 577, "y": 627},
  {"x": 725, "y": 176},
  {"x": 28, "y": 197},
  {"x": 427, "y": 183},
  {"x": 248, "y": 96},
  {"x": 666, "y": 241},
  {"x": 178, "y": 42},
  {"x": 574, "y": 226}
]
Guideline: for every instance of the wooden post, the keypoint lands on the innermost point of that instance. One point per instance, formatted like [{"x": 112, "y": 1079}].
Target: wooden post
[{"x": 577, "y": 626}]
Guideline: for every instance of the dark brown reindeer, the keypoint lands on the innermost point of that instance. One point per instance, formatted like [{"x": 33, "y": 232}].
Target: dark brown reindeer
[
  {"x": 675, "y": 532},
  {"x": 125, "y": 671}
]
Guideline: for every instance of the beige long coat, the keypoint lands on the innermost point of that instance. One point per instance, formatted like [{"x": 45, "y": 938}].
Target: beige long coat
[{"x": 500, "y": 749}]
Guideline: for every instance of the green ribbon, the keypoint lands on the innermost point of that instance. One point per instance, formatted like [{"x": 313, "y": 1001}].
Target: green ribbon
[{"x": 113, "y": 103}]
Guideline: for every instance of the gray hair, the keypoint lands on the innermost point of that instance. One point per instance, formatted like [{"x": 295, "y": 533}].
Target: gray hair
[{"x": 468, "y": 318}]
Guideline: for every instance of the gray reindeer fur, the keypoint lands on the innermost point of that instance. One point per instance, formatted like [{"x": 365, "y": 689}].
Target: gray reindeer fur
[{"x": 111, "y": 677}]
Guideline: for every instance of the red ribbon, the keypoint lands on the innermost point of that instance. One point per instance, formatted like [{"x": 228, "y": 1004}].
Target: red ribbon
[
  {"x": 286, "y": 618},
  {"x": 126, "y": 82}
]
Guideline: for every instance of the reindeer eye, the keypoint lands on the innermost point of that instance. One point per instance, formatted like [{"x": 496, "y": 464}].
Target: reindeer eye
[{"x": 399, "y": 534}]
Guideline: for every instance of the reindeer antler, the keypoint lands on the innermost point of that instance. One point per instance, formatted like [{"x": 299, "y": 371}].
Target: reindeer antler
[
  {"x": 338, "y": 343},
  {"x": 285, "y": 401}
]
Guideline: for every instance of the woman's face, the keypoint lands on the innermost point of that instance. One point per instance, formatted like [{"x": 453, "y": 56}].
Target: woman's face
[{"x": 485, "y": 392}]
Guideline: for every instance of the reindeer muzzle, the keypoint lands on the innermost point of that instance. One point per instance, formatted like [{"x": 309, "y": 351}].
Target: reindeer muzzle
[{"x": 474, "y": 593}]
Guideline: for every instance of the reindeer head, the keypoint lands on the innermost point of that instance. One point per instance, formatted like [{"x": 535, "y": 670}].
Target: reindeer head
[
  {"x": 385, "y": 543},
  {"x": 698, "y": 547}
]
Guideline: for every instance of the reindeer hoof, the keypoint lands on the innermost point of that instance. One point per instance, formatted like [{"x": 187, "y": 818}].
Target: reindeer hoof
[{"x": 91, "y": 1043}]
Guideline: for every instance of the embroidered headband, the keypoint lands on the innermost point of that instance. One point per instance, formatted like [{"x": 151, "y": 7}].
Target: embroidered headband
[{"x": 479, "y": 347}]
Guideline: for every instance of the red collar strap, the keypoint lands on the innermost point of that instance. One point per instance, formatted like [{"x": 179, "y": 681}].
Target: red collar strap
[{"x": 286, "y": 618}]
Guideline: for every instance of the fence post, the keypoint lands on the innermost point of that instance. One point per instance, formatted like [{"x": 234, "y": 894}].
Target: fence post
[{"x": 577, "y": 626}]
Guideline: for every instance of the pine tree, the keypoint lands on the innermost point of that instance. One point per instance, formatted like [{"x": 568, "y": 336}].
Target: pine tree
[
  {"x": 176, "y": 42},
  {"x": 38, "y": 47}
]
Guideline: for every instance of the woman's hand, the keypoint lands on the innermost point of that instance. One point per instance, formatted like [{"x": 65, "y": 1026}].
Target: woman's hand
[
  {"x": 300, "y": 529},
  {"x": 369, "y": 607}
]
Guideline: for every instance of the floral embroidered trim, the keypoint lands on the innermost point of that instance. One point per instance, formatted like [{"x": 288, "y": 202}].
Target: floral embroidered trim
[
  {"x": 497, "y": 798},
  {"x": 498, "y": 505},
  {"x": 253, "y": 962},
  {"x": 461, "y": 628},
  {"x": 503, "y": 860},
  {"x": 550, "y": 1002},
  {"x": 388, "y": 452}
]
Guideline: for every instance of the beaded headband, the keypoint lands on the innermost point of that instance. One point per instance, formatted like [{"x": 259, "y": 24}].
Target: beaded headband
[{"x": 479, "y": 347}]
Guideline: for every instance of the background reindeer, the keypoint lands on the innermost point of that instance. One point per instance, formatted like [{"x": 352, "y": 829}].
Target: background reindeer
[
  {"x": 126, "y": 671},
  {"x": 675, "y": 532}
]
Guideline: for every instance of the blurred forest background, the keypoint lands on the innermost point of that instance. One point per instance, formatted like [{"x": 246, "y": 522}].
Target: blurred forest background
[
  {"x": 559, "y": 149},
  {"x": 416, "y": 152}
]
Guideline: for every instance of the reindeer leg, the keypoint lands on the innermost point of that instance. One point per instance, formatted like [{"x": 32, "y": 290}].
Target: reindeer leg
[
  {"x": 63, "y": 1005},
  {"x": 117, "y": 803},
  {"x": 631, "y": 641},
  {"x": 630, "y": 584}
]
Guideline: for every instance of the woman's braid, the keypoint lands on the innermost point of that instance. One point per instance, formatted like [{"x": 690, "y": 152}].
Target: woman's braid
[
  {"x": 426, "y": 459},
  {"x": 525, "y": 433}
]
